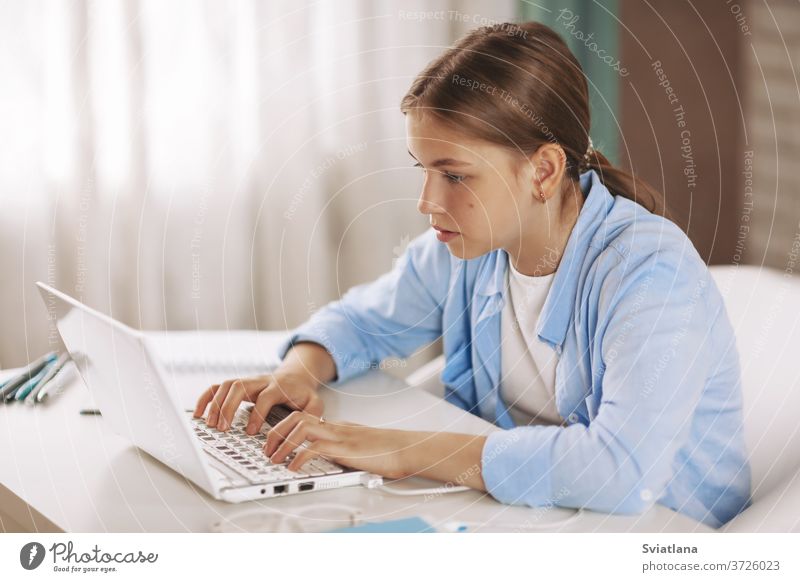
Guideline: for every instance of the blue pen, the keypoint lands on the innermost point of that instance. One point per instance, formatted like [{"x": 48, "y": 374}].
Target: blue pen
[{"x": 26, "y": 388}]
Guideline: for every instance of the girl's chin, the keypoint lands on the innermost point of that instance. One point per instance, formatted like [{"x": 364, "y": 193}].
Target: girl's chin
[{"x": 458, "y": 249}]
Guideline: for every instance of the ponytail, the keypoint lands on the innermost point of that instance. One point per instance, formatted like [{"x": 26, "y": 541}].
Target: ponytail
[{"x": 622, "y": 183}]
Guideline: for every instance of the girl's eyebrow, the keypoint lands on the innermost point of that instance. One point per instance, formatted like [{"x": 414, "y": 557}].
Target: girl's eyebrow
[{"x": 444, "y": 162}]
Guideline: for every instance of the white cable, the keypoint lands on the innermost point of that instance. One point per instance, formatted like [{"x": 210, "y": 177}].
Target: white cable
[
  {"x": 429, "y": 491},
  {"x": 455, "y": 526}
]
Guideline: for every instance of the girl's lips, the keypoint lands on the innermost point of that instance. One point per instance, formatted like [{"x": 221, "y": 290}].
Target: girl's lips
[{"x": 445, "y": 235}]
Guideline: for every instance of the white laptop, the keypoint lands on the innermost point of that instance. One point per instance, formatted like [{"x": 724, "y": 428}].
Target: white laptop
[{"x": 121, "y": 369}]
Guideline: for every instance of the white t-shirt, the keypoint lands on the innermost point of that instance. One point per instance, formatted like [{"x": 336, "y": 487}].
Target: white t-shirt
[{"x": 527, "y": 364}]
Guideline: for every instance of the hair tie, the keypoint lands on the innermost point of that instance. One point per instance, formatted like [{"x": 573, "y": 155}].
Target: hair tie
[{"x": 587, "y": 160}]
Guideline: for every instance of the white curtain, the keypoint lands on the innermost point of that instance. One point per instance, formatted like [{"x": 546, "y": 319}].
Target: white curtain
[{"x": 206, "y": 164}]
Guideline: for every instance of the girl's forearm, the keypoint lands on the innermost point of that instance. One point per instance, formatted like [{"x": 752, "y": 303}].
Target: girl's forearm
[
  {"x": 445, "y": 456},
  {"x": 311, "y": 360}
]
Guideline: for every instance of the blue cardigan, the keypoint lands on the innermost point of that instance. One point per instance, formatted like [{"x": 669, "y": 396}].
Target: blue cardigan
[{"x": 648, "y": 376}]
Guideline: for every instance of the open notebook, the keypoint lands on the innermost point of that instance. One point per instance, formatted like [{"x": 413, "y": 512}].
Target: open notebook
[{"x": 236, "y": 352}]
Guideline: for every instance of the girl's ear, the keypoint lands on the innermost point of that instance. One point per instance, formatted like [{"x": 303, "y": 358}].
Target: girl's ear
[{"x": 550, "y": 163}]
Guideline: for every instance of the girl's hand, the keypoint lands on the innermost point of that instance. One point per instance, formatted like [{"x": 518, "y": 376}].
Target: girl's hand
[
  {"x": 295, "y": 390},
  {"x": 380, "y": 451}
]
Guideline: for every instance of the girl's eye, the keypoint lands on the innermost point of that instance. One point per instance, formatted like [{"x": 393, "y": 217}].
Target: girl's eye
[{"x": 454, "y": 178}]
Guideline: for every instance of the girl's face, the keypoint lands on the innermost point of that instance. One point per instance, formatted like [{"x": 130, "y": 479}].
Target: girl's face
[{"x": 475, "y": 198}]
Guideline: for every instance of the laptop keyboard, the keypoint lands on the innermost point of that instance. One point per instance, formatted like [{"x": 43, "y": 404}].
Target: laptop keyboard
[{"x": 244, "y": 453}]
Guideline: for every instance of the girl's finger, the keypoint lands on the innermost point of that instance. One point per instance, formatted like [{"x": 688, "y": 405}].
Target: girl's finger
[
  {"x": 295, "y": 438},
  {"x": 236, "y": 394},
  {"x": 203, "y": 401},
  {"x": 321, "y": 448},
  {"x": 216, "y": 403},
  {"x": 304, "y": 430},
  {"x": 268, "y": 398},
  {"x": 280, "y": 431}
]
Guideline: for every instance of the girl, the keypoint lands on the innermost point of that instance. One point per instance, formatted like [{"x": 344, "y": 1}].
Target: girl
[{"x": 574, "y": 314}]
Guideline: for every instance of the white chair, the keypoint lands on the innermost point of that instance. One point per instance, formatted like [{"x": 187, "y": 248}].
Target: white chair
[{"x": 764, "y": 308}]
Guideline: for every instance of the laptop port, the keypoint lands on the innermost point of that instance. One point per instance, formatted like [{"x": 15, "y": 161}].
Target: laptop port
[
  {"x": 279, "y": 489},
  {"x": 306, "y": 486}
]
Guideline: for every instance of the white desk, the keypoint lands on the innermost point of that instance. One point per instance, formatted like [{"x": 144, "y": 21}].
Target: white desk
[{"x": 63, "y": 471}]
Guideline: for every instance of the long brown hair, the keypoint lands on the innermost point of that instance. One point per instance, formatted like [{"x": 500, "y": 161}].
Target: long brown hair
[{"x": 519, "y": 86}]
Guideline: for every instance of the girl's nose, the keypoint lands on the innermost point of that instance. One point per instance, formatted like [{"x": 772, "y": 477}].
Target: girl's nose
[{"x": 427, "y": 203}]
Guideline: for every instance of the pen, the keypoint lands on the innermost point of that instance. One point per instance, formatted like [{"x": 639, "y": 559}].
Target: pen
[
  {"x": 51, "y": 372},
  {"x": 58, "y": 382},
  {"x": 26, "y": 388},
  {"x": 10, "y": 388}
]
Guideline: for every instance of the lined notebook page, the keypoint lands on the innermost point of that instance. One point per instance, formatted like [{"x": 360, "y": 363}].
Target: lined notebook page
[{"x": 225, "y": 351}]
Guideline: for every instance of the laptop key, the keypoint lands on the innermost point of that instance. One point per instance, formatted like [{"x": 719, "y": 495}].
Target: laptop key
[
  {"x": 328, "y": 467},
  {"x": 286, "y": 474},
  {"x": 310, "y": 469}
]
